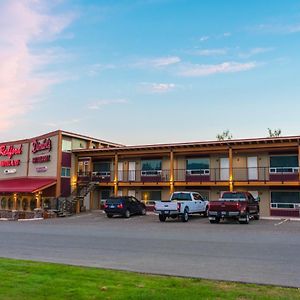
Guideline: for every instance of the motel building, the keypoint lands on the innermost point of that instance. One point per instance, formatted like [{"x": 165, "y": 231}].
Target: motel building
[
  {"x": 62, "y": 172},
  {"x": 266, "y": 167},
  {"x": 36, "y": 174}
]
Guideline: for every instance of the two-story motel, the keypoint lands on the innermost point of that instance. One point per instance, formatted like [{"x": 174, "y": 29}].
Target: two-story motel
[
  {"x": 35, "y": 172},
  {"x": 267, "y": 167}
]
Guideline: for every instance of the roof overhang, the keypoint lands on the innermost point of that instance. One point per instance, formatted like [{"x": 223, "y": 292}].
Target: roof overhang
[{"x": 25, "y": 185}]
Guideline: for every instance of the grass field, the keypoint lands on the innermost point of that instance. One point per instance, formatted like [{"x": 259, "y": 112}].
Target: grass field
[{"x": 23, "y": 280}]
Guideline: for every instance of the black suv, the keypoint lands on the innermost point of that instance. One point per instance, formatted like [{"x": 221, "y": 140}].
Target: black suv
[{"x": 124, "y": 206}]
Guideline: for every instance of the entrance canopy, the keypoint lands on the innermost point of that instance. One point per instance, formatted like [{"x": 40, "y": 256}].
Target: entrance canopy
[{"x": 25, "y": 185}]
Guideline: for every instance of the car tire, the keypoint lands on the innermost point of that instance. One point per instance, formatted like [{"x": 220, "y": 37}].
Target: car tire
[
  {"x": 109, "y": 215},
  {"x": 256, "y": 217},
  {"x": 216, "y": 221},
  {"x": 247, "y": 219},
  {"x": 185, "y": 216},
  {"x": 205, "y": 214},
  {"x": 127, "y": 213},
  {"x": 143, "y": 211},
  {"x": 162, "y": 217}
]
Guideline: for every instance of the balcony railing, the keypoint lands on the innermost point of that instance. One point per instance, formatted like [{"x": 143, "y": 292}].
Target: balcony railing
[{"x": 259, "y": 174}]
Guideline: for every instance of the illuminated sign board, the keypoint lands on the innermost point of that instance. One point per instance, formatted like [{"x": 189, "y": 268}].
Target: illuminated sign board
[
  {"x": 10, "y": 152},
  {"x": 44, "y": 146}
]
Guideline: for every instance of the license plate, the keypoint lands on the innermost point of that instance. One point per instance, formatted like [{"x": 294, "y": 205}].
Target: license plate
[
  {"x": 223, "y": 213},
  {"x": 112, "y": 206}
]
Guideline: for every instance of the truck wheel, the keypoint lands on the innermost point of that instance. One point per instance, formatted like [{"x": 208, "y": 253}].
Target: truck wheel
[
  {"x": 185, "y": 216},
  {"x": 127, "y": 213},
  {"x": 256, "y": 217},
  {"x": 205, "y": 214},
  {"x": 143, "y": 211},
  {"x": 162, "y": 218},
  {"x": 216, "y": 221},
  {"x": 245, "y": 221}
]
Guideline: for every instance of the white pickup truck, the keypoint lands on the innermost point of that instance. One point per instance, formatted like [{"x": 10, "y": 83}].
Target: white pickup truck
[{"x": 181, "y": 204}]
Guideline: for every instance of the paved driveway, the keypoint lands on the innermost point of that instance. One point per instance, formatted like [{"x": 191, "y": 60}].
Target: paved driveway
[{"x": 261, "y": 252}]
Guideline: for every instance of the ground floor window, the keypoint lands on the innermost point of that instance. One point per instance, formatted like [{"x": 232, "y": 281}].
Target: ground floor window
[
  {"x": 3, "y": 203},
  {"x": 285, "y": 199},
  {"x": 150, "y": 196}
]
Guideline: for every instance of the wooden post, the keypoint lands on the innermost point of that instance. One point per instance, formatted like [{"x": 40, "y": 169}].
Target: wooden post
[
  {"x": 299, "y": 161},
  {"x": 116, "y": 175},
  {"x": 230, "y": 170},
  {"x": 171, "y": 172},
  {"x": 15, "y": 202},
  {"x": 38, "y": 200}
]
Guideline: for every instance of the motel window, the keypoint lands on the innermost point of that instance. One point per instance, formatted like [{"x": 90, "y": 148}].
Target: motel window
[
  {"x": 65, "y": 172},
  {"x": 101, "y": 166},
  {"x": 285, "y": 199},
  {"x": 197, "y": 163},
  {"x": 284, "y": 161},
  {"x": 66, "y": 145},
  {"x": 151, "y": 164},
  {"x": 150, "y": 196}
]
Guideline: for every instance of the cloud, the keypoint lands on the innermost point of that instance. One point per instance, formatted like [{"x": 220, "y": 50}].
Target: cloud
[
  {"x": 64, "y": 123},
  {"x": 278, "y": 28},
  {"x": 105, "y": 102},
  {"x": 209, "y": 52},
  {"x": 159, "y": 62},
  {"x": 22, "y": 24},
  {"x": 204, "y": 38},
  {"x": 255, "y": 51},
  {"x": 158, "y": 87},
  {"x": 197, "y": 70},
  {"x": 98, "y": 68},
  {"x": 226, "y": 34}
]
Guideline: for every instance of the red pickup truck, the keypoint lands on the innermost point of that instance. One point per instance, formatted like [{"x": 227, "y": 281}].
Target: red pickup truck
[{"x": 240, "y": 206}]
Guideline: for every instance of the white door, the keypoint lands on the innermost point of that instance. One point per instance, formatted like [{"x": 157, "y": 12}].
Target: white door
[
  {"x": 252, "y": 168},
  {"x": 131, "y": 193},
  {"x": 131, "y": 171},
  {"x": 120, "y": 193},
  {"x": 224, "y": 168},
  {"x": 120, "y": 171}
]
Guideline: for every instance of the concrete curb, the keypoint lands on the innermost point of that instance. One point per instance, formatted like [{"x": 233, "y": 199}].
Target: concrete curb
[{"x": 280, "y": 219}]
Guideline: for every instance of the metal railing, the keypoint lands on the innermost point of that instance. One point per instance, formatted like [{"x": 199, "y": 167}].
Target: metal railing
[{"x": 244, "y": 174}]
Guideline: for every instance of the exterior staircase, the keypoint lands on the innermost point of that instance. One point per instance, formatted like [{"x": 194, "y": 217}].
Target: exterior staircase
[{"x": 67, "y": 206}]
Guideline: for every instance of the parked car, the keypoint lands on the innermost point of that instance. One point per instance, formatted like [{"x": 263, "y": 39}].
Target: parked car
[
  {"x": 241, "y": 206},
  {"x": 181, "y": 204},
  {"x": 124, "y": 206}
]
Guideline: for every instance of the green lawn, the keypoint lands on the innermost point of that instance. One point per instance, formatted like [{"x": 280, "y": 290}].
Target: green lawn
[{"x": 23, "y": 280}]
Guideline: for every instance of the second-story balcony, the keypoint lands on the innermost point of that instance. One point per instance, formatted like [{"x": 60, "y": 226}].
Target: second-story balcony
[{"x": 211, "y": 175}]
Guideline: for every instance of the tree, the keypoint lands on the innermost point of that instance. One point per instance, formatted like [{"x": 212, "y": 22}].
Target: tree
[
  {"x": 225, "y": 135},
  {"x": 274, "y": 133}
]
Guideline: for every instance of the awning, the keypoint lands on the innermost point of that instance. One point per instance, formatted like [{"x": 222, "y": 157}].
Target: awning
[{"x": 25, "y": 185}]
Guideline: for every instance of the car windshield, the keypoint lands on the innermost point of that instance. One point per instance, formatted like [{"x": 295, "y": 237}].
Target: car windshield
[
  {"x": 181, "y": 196},
  {"x": 233, "y": 197}
]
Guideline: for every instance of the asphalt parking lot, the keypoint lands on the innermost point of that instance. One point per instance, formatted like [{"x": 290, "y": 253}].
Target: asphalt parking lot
[{"x": 265, "y": 251}]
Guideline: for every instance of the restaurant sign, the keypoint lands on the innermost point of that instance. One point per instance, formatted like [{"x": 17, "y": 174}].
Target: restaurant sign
[
  {"x": 10, "y": 152},
  {"x": 42, "y": 147}
]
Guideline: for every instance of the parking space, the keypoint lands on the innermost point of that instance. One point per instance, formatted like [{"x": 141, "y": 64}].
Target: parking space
[{"x": 263, "y": 251}]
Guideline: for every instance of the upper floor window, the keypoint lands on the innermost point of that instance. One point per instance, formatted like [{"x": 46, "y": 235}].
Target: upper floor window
[
  {"x": 151, "y": 164},
  {"x": 197, "y": 166},
  {"x": 103, "y": 166},
  {"x": 66, "y": 145},
  {"x": 284, "y": 164},
  {"x": 65, "y": 172}
]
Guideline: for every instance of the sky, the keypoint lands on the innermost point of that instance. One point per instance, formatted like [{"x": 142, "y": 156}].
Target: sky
[{"x": 149, "y": 71}]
